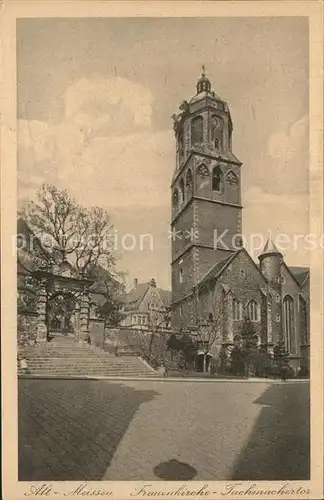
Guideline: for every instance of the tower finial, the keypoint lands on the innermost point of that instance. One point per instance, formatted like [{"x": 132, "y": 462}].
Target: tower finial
[{"x": 203, "y": 83}]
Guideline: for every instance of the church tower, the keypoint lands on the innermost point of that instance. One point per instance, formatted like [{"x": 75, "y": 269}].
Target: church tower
[{"x": 206, "y": 218}]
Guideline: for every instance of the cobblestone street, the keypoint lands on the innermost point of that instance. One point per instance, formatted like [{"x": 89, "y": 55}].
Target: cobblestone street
[{"x": 150, "y": 430}]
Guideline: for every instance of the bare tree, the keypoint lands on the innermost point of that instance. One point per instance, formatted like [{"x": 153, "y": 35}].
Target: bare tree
[
  {"x": 207, "y": 322},
  {"x": 154, "y": 331},
  {"x": 68, "y": 230}
]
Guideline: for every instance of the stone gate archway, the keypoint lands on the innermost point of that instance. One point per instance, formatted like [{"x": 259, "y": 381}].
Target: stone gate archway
[{"x": 52, "y": 286}]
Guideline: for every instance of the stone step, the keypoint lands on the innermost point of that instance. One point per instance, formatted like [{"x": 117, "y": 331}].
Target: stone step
[
  {"x": 56, "y": 354},
  {"x": 88, "y": 369},
  {"x": 65, "y": 357},
  {"x": 65, "y": 373}
]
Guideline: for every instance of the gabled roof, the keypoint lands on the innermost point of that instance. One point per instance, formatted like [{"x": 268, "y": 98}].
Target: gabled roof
[
  {"x": 165, "y": 296},
  {"x": 217, "y": 269},
  {"x": 135, "y": 296},
  {"x": 220, "y": 267},
  {"x": 292, "y": 274},
  {"x": 300, "y": 273}
]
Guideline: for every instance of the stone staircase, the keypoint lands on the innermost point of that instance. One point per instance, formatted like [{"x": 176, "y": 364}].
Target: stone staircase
[{"x": 63, "y": 357}]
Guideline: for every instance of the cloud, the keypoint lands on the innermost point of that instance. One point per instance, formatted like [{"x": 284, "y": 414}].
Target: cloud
[
  {"x": 104, "y": 150},
  {"x": 285, "y": 146},
  {"x": 109, "y": 100}
]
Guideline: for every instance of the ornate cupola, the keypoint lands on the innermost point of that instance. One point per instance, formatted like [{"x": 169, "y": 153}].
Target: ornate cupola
[{"x": 203, "y": 84}]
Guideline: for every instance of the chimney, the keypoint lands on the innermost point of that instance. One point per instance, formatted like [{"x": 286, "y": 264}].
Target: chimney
[
  {"x": 135, "y": 283},
  {"x": 153, "y": 282}
]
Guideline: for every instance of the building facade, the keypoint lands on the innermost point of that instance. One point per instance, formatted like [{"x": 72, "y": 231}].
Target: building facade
[
  {"x": 146, "y": 307},
  {"x": 209, "y": 264}
]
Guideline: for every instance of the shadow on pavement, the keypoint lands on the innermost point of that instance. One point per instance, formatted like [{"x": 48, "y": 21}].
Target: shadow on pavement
[
  {"x": 70, "y": 429},
  {"x": 279, "y": 445},
  {"x": 173, "y": 470}
]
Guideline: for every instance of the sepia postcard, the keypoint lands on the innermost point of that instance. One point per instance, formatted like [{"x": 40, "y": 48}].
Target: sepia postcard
[{"x": 162, "y": 249}]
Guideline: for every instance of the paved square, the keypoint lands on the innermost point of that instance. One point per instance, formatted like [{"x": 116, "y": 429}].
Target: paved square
[{"x": 151, "y": 430}]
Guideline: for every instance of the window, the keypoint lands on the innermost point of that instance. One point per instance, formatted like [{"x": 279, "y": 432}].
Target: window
[
  {"x": 277, "y": 298},
  {"x": 277, "y": 318},
  {"x": 283, "y": 281},
  {"x": 217, "y": 178},
  {"x": 242, "y": 273},
  {"x": 216, "y": 129},
  {"x": 277, "y": 280},
  {"x": 182, "y": 192},
  {"x": 210, "y": 318},
  {"x": 197, "y": 130},
  {"x": 135, "y": 319},
  {"x": 289, "y": 322},
  {"x": 181, "y": 275},
  {"x": 181, "y": 145},
  {"x": 303, "y": 320},
  {"x": 237, "y": 310},
  {"x": 175, "y": 198},
  {"x": 231, "y": 178},
  {"x": 253, "y": 310},
  {"x": 189, "y": 178},
  {"x": 202, "y": 170}
]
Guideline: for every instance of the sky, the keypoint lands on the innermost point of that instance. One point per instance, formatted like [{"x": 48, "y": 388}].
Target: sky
[{"x": 95, "y": 99}]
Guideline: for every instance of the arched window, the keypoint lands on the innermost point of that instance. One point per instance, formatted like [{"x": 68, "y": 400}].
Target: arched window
[
  {"x": 237, "y": 310},
  {"x": 175, "y": 198},
  {"x": 182, "y": 191},
  {"x": 210, "y": 318},
  {"x": 181, "y": 275},
  {"x": 181, "y": 145},
  {"x": 197, "y": 130},
  {"x": 217, "y": 143},
  {"x": 288, "y": 322},
  {"x": 303, "y": 320},
  {"x": 253, "y": 310},
  {"x": 217, "y": 178}
]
